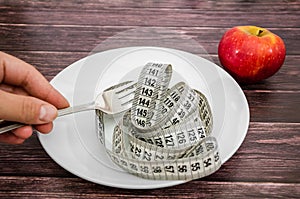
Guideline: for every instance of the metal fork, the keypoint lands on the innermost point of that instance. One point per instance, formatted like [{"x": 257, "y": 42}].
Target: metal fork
[{"x": 112, "y": 100}]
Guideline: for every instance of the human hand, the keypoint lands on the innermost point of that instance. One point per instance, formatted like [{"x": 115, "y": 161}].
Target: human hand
[{"x": 26, "y": 97}]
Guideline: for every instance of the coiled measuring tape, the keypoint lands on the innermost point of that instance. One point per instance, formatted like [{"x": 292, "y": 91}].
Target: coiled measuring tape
[{"x": 166, "y": 135}]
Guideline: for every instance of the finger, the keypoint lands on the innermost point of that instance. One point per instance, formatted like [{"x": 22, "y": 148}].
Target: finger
[
  {"x": 44, "y": 128},
  {"x": 25, "y": 109},
  {"x": 23, "y": 132},
  {"x": 18, "y": 136},
  {"x": 16, "y": 72},
  {"x": 10, "y": 138},
  {"x": 13, "y": 89}
]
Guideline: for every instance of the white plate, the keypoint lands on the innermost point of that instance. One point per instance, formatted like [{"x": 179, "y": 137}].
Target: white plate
[{"x": 73, "y": 143}]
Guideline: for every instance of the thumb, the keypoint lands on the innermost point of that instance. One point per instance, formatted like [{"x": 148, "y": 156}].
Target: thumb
[{"x": 25, "y": 109}]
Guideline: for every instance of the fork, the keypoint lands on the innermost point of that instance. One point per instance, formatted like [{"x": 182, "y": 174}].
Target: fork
[{"x": 112, "y": 100}]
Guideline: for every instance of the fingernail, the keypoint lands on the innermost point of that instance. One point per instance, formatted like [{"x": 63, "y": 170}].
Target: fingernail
[{"x": 47, "y": 113}]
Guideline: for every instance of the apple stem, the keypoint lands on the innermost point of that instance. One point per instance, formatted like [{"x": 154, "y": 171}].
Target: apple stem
[{"x": 259, "y": 32}]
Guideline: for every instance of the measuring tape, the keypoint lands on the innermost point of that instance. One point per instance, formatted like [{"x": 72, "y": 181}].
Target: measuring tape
[{"x": 166, "y": 135}]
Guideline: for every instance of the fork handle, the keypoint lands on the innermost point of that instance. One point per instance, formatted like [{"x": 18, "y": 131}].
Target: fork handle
[
  {"x": 75, "y": 109},
  {"x": 8, "y": 125}
]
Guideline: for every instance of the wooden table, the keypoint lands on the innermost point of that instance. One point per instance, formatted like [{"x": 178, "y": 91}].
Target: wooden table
[{"x": 53, "y": 34}]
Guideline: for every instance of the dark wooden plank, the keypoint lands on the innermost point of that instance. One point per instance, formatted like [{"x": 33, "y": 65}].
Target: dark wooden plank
[
  {"x": 153, "y": 18},
  {"x": 268, "y": 154},
  {"x": 86, "y": 38},
  {"x": 266, "y": 106},
  {"x": 199, "y": 15},
  {"x": 49, "y": 63},
  {"x": 45, "y": 187},
  {"x": 28, "y": 159},
  {"x": 228, "y": 5}
]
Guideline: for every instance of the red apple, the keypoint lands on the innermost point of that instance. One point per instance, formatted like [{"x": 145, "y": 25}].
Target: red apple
[{"x": 251, "y": 54}]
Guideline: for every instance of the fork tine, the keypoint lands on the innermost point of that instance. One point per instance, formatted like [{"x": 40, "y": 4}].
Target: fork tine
[
  {"x": 126, "y": 95},
  {"x": 119, "y": 87},
  {"x": 130, "y": 85},
  {"x": 125, "y": 92}
]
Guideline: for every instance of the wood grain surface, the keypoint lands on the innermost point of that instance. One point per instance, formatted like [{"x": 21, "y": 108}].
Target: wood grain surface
[{"x": 52, "y": 34}]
